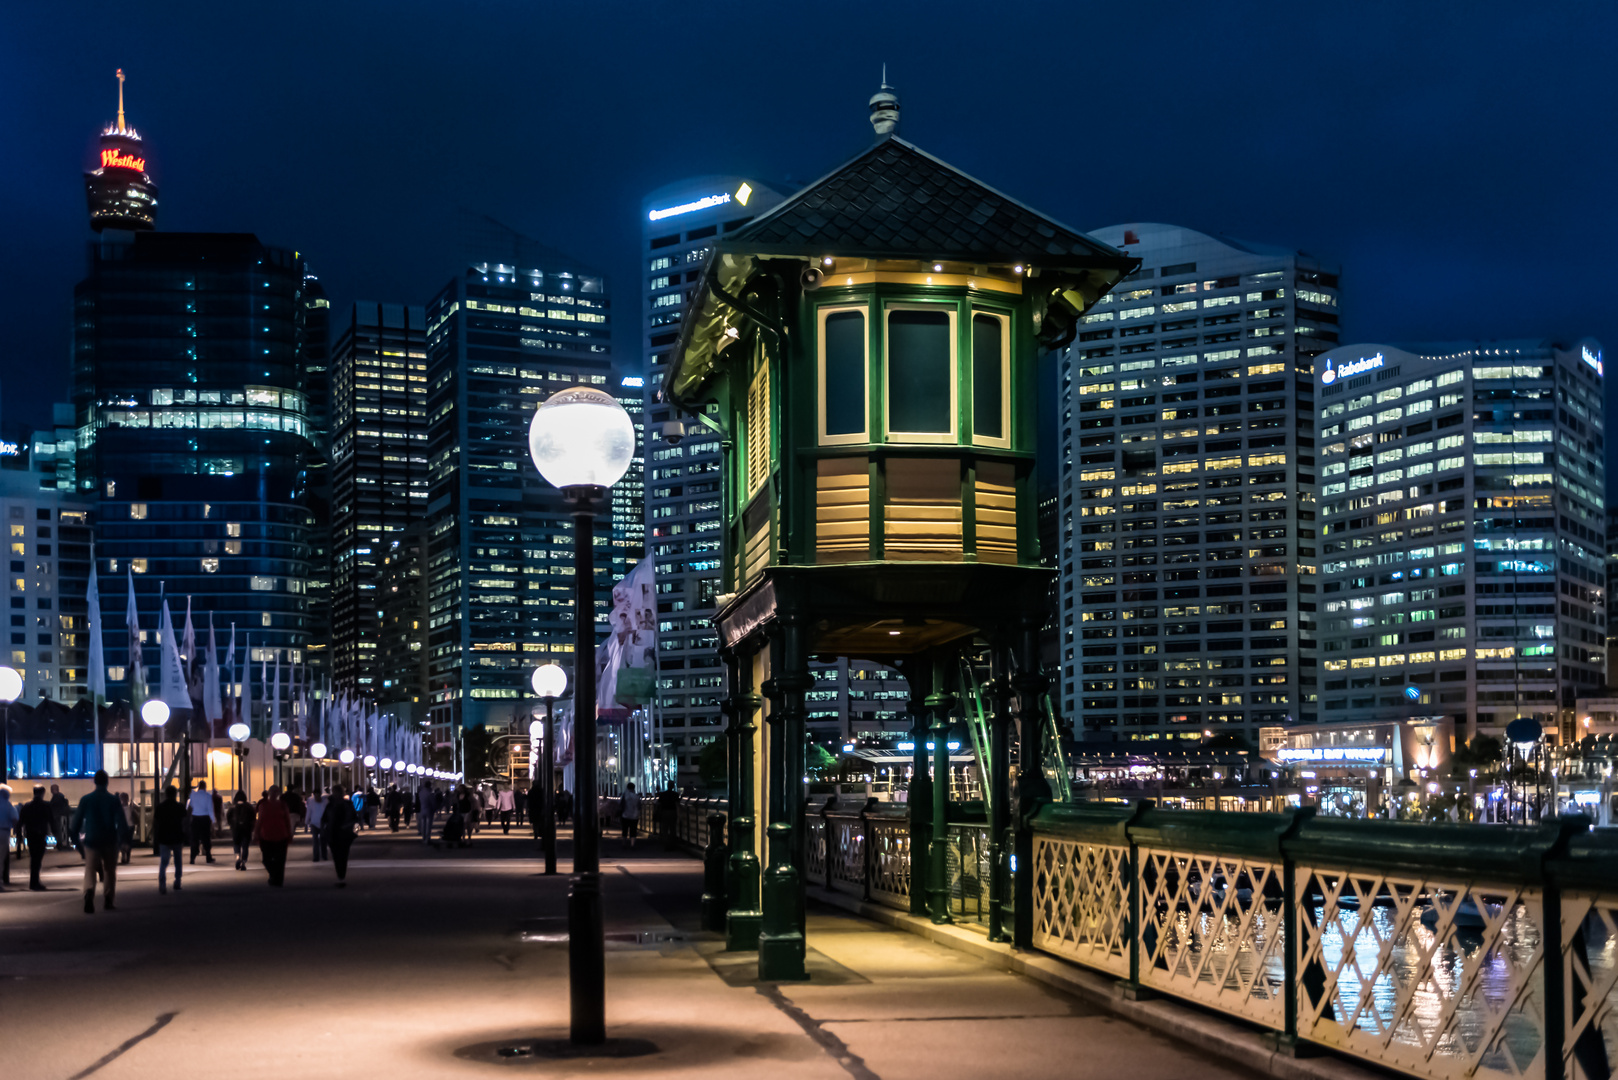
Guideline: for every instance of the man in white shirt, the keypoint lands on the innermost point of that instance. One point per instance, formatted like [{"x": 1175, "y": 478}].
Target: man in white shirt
[
  {"x": 202, "y": 819},
  {"x": 316, "y": 805}
]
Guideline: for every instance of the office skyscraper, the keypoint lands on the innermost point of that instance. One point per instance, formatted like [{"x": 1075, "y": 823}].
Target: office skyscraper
[
  {"x": 678, "y": 225},
  {"x": 503, "y": 336},
  {"x": 379, "y": 474},
  {"x": 194, "y": 433},
  {"x": 1462, "y": 532},
  {"x": 1187, "y": 490}
]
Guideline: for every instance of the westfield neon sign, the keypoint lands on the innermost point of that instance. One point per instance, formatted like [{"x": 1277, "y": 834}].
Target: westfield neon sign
[{"x": 112, "y": 159}]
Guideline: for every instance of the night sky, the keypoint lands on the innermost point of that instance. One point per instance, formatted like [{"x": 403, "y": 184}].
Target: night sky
[{"x": 1455, "y": 158}]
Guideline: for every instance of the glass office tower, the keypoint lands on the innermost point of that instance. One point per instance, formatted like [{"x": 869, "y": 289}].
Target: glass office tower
[
  {"x": 193, "y": 431},
  {"x": 502, "y": 337},
  {"x": 1463, "y": 529},
  {"x": 379, "y": 474},
  {"x": 1187, "y": 511}
]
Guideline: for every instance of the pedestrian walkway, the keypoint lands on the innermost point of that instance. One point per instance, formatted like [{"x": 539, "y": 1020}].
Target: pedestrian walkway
[{"x": 432, "y": 962}]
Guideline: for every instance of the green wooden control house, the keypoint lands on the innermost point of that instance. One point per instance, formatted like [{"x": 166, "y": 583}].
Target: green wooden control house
[{"x": 868, "y": 351}]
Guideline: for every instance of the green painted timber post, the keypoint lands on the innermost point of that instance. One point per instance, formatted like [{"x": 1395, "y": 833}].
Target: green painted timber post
[
  {"x": 742, "y": 917},
  {"x": 918, "y": 673},
  {"x": 781, "y": 941},
  {"x": 999, "y": 781},
  {"x": 940, "y": 703},
  {"x": 1033, "y": 791}
]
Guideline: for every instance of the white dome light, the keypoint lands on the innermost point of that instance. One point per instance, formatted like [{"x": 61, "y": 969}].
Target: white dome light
[
  {"x": 155, "y": 712},
  {"x": 280, "y": 740},
  {"x": 317, "y": 749},
  {"x": 549, "y": 681},
  {"x": 346, "y": 757},
  {"x": 239, "y": 732},
  {"x": 581, "y": 437}
]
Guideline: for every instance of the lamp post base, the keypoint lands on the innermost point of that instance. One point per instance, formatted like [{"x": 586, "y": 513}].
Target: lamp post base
[{"x": 586, "y": 945}]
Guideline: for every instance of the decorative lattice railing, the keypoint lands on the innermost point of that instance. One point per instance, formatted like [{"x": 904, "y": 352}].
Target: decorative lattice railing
[{"x": 1431, "y": 950}]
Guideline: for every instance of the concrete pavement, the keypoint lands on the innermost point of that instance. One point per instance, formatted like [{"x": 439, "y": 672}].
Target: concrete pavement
[{"x": 430, "y": 962}]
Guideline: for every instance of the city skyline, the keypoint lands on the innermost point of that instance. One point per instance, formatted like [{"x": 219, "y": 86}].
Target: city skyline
[{"x": 1387, "y": 194}]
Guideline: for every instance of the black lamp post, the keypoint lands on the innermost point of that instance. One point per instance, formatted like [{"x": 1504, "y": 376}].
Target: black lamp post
[
  {"x": 549, "y": 682},
  {"x": 582, "y": 441}
]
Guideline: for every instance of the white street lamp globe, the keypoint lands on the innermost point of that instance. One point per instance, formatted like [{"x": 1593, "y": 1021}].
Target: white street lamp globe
[
  {"x": 581, "y": 437},
  {"x": 155, "y": 712},
  {"x": 370, "y": 761},
  {"x": 549, "y": 681},
  {"x": 387, "y": 763},
  {"x": 10, "y": 684},
  {"x": 346, "y": 757},
  {"x": 536, "y": 729},
  {"x": 317, "y": 750},
  {"x": 239, "y": 732},
  {"x": 280, "y": 740}
]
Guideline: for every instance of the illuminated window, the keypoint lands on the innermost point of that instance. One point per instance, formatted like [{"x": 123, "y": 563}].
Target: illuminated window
[
  {"x": 137, "y": 511},
  {"x": 921, "y": 373},
  {"x": 991, "y": 376},
  {"x": 138, "y": 565},
  {"x": 844, "y": 382},
  {"x": 233, "y": 547},
  {"x": 210, "y": 566},
  {"x": 233, "y": 528},
  {"x": 264, "y": 620}
]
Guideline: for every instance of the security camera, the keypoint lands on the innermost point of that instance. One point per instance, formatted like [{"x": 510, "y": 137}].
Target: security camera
[{"x": 673, "y": 431}]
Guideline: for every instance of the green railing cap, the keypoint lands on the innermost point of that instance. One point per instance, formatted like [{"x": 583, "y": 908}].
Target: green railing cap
[
  {"x": 1513, "y": 854},
  {"x": 1105, "y": 824},
  {"x": 1215, "y": 831}
]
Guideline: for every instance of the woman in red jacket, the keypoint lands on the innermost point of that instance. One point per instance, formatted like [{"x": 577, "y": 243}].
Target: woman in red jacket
[{"x": 272, "y": 828}]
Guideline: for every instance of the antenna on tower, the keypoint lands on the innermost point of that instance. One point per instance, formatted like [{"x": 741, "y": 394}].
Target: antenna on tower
[
  {"x": 885, "y": 108},
  {"x": 122, "y": 130}
]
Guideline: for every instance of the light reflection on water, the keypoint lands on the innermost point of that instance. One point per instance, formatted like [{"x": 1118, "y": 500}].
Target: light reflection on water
[{"x": 1370, "y": 995}]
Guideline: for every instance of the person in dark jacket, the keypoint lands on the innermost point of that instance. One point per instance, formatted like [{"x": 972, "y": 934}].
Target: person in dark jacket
[
  {"x": 240, "y": 819},
  {"x": 36, "y": 820},
  {"x": 97, "y": 820},
  {"x": 341, "y": 823},
  {"x": 168, "y": 834},
  {"x": 61, "y": 811}
]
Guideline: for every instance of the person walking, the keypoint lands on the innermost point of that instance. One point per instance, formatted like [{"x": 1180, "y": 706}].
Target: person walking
[
  {"x": 35, "y": 819},
  {"x": 342, "y": 822},
  {"x": 96, "y": 820},
  {"x": 240, "y": 819},
  {"x": 9, "y": 819},
  {"x": 629, "y": 812},
  {"x": 519, "y": 801},
  {"x": 168, "y": 833},
  {"x": 61, "y": 811},
  {"x": 272, "y": 828},
  {"x": 395, "y": 807},
  {"x": 536, "y": 808},
  {"x": 202, "y": 822},
  {"x": 126, "y": 829},
  {"x": 506, "y": 805},
  {"x": 372, "y": 801},
  {"x": 316, "y": 807},
  {"x": 426, "y": 808}
]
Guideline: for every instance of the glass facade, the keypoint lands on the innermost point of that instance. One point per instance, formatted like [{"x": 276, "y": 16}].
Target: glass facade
[
  {"x": 379, "y": 474},
  {"x": 1187, "y": 518},
  {"x": 193, "y": 431},
  {"x": 501, "y": 338},
  {"x": 1462, "y": 563}
]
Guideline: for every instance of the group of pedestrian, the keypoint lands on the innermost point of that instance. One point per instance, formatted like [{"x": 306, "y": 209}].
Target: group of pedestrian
[{"x": 102, "y": 830}]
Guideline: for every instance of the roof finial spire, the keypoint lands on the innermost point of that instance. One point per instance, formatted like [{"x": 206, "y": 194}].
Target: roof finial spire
[
  {"x": 122, "y": 130},
  {"x": 885, "y": 108}
]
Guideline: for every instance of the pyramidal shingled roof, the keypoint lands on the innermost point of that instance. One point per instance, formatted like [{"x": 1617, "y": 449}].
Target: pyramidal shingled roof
[{"x": 896, "y": 200}]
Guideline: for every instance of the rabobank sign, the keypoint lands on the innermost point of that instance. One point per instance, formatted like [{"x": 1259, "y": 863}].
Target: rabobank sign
[{"x": 1350, "y": 369}]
